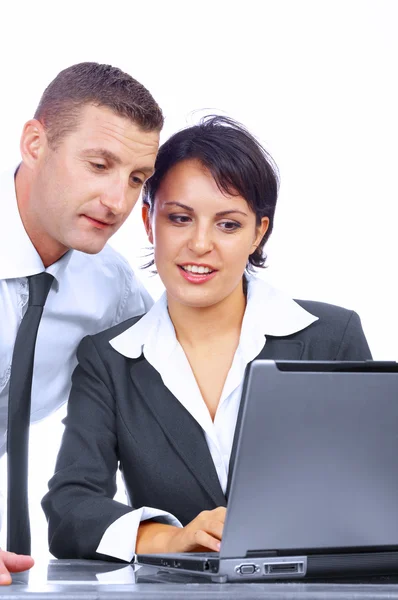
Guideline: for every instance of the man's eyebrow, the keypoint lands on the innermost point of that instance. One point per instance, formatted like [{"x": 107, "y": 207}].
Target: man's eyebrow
[
  {"x": 147, "y": 170},
  {"x": 111, "y": 157},
  {"x": 103, "y": 153}
]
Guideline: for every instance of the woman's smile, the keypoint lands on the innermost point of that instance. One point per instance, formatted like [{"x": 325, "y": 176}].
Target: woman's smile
[{"x": 197, "y": 273}]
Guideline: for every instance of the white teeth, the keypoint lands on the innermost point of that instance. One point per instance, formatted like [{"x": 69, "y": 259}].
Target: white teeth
[{"x": 196, "y": 269}]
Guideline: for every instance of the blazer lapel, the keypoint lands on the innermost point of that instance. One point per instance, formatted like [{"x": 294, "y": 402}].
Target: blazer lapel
[
  {"x": 181, "y": 429},
  {"x": 274, "y": 349}
]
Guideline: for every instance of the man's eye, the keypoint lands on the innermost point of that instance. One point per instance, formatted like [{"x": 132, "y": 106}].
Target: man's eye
[
  {"x": 98, "y": 166},
  {"x": 137, "y": 180}
]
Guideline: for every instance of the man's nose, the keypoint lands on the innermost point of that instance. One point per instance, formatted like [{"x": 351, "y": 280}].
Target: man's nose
[{"x": 118, "y": 198}]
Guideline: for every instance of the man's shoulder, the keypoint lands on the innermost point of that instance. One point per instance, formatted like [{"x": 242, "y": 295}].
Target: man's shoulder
[
  {"x": 106, "y": 272},
  {"x": 107, "y": 259},
  {"x": 111, "y": 287},
  {"x": 111, "y": 332}
]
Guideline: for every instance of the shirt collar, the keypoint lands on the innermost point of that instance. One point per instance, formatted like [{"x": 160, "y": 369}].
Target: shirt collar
[
  {"x": 269, "y": 311},
  {"x": 131, "y": 342},
  {"x": 272, "y": 311},
  {"x": 18, "y": 256}
]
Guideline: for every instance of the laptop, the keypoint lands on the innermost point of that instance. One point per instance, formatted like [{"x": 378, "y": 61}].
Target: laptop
[{"x": 314, "y": 488}]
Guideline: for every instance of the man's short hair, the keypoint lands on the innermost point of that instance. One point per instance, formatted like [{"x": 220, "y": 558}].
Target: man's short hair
[{"x": 101, "y": 85}]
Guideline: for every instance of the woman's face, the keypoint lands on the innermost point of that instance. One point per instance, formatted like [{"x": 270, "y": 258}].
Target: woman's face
[{"x": 201, "y": 236}]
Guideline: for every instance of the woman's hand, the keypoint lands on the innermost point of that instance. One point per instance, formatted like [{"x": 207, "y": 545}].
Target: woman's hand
[
  {"x": 201, "y": 534},
  {"x": 12, "y": 563}
]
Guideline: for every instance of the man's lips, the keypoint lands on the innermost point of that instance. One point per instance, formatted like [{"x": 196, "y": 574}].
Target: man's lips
[{"x": 98, "y": 224}]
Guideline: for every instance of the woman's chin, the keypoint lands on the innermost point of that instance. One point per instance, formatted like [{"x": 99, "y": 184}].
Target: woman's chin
[{"x": 195, "y": 298}]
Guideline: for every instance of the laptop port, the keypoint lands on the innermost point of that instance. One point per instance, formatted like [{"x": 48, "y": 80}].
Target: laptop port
[
  {"x": 284, "y": 568},
  {"x": 247, "y": 569}
]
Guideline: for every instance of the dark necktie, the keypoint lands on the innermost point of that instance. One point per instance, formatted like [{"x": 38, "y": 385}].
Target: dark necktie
[{"x": 19, "y": 397}]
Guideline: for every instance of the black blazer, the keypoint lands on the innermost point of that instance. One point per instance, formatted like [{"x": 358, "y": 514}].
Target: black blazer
[{"x": 121, "y": 414}]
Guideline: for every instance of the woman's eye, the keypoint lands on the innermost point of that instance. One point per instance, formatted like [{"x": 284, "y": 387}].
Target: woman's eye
[
  {"x": 179, "y": 219},
  {"x": 229, "y": 226}
]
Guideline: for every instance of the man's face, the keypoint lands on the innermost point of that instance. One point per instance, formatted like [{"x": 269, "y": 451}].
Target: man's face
[{"x": 84, "y": 189}]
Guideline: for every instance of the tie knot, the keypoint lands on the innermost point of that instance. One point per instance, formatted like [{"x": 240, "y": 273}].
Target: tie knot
[{"x": 39, "y": 286}]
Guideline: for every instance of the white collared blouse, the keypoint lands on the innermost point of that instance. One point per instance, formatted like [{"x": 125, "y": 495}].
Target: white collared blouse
[{"x": 268, "y": 312}]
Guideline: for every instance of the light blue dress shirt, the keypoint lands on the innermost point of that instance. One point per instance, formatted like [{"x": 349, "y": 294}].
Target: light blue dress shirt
[{"x": 90, "y": 293}]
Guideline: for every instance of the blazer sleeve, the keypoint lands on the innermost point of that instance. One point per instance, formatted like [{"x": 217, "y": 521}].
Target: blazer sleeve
[
  {"x": 79, "y": 505},
  {"x": 353, "y": 345}
]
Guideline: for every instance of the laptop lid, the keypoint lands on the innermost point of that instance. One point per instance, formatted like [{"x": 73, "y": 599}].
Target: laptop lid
[{"x": 316, "y": 465}]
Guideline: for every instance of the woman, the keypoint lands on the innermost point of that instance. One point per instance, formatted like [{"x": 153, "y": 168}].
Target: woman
[{"x": 159, "y": 395}]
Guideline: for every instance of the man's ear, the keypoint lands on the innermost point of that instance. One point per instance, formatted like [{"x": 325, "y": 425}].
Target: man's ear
[
  {"x": 146, "y": 217},
  {"x": 33, "y": 142},
  {"x": 261, "y": 230}
]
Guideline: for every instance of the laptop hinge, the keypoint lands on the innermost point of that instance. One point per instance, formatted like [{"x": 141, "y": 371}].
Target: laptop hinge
[
  {"x": 254, "y": 553},
  {"x": 322, "y": 551}
]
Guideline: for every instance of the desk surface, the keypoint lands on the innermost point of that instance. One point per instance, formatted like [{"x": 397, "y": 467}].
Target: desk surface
[{"x": 92, "y": 580}]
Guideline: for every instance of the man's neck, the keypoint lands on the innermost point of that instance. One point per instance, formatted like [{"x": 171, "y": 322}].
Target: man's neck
[{"x": 49, "y": 252}]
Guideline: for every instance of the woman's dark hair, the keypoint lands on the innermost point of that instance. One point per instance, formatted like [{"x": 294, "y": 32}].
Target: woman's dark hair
[{"x": 237, "y": 162}]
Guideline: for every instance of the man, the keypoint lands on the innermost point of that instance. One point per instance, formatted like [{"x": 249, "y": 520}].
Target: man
[{"x": 85, "y": 156}]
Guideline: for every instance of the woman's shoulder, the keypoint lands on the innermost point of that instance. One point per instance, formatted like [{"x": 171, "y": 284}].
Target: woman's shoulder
[
  {"x": 333, "y": 321},
  {"x": 327, "y": 312},
  {"x": 282, "y": 315},
  {"x": 101, "y": 341},
  {"x": 337, "y": 334},
  {"x": 127, "y": 340}
]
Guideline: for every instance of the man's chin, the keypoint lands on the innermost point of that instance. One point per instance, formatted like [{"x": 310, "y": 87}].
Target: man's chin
[{"x": 88, "y": 247}]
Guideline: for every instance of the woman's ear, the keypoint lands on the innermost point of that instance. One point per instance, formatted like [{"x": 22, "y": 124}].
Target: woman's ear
[
  {"x": 146, "y": 217},
  {"x": 261, "y": 230}
]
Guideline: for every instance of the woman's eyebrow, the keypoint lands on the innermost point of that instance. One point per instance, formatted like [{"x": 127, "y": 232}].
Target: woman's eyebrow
[
  {"x": 222, "y": 213},
  {"x": 184, "y": 206}
]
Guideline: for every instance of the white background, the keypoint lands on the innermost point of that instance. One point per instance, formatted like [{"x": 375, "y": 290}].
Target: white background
[{"x": 314, "y": 80}]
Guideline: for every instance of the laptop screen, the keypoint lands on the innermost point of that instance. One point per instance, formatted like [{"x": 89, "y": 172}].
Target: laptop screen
[{"x": 315, "y": 458}]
